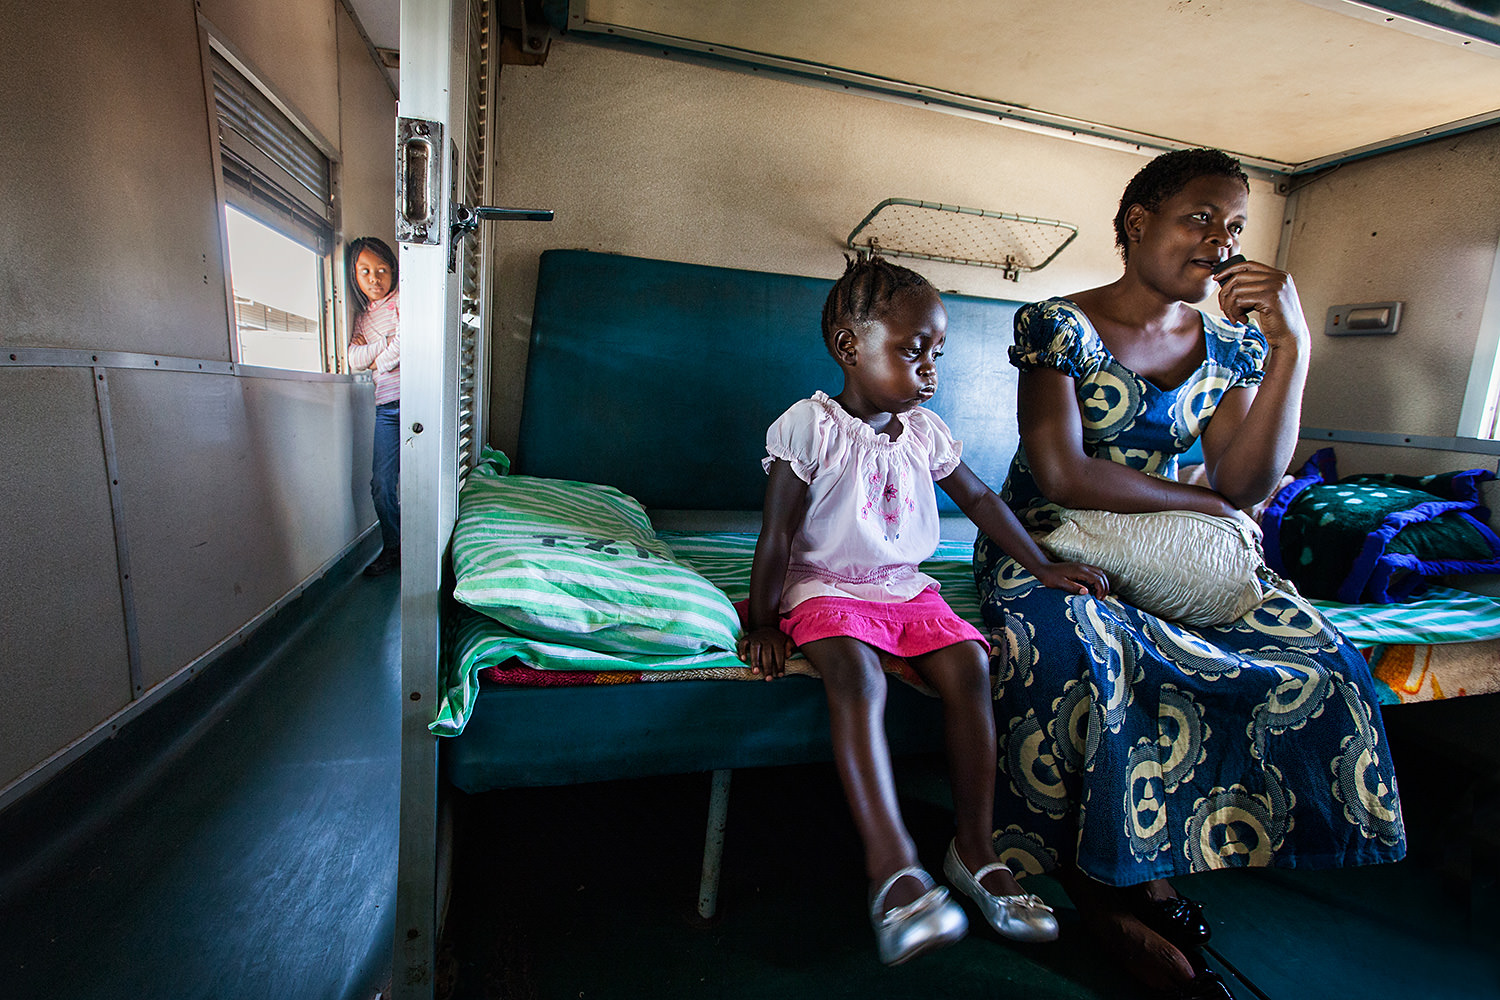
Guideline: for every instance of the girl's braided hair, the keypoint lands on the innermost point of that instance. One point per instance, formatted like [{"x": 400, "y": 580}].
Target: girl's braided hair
[{"x": 862, "y": 292}]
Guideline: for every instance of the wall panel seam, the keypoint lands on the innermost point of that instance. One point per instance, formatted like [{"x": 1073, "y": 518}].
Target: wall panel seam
[
  {"x": 57, "y": 357},
  {"x": 122, "y": 542}
]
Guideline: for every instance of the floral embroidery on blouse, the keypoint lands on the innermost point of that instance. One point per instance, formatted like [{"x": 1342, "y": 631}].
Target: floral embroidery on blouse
[{"x": 890, "y": 498}]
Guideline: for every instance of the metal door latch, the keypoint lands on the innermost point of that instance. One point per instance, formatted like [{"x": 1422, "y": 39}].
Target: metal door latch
[
  {"x": 418, "y": 180},
  {"x": 465, "y": 220}
]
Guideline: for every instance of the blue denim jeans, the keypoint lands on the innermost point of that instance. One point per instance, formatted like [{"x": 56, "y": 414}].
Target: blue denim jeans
[{"x": 385, "y": 483}]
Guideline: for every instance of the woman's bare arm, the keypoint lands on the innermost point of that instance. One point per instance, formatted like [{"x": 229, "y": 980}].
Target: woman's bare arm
[
  {"x": 1052, "y": 434},
  {"x": 1250, "y": 438}
]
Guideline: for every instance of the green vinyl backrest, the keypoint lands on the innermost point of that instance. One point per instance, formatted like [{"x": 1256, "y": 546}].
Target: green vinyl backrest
[{"x": 660, "y": 378}]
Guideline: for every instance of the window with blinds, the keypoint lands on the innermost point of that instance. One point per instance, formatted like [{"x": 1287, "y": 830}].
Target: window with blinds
[
  {"x": 279, "y": 219},
  {"x": 270, "y": 165}
]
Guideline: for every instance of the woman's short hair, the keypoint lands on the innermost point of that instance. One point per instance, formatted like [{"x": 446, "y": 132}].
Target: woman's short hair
[
  {"x": 379, "y": 248},
  {"x": 1168, "y": 174}
]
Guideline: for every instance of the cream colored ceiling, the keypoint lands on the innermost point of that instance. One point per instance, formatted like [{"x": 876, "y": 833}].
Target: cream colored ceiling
[{"x": 1286, "y": 81}]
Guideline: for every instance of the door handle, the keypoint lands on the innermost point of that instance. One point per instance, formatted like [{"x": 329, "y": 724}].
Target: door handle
[
  {"x": 494, "y": 213},
  {"x": 466, "y": 220}
]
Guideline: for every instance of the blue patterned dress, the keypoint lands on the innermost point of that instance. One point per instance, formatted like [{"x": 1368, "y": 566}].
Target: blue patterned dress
[{"x": 1145, "y": 749}]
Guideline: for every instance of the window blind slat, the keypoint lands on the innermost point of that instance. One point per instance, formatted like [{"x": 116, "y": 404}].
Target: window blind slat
[{"x": 242, "y": 107}]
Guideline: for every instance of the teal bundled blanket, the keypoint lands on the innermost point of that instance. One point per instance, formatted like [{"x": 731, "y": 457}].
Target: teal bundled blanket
[{"x": 1377, "y": 539}]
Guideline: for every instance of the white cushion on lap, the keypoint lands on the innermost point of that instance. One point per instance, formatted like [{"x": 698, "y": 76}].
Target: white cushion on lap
[{"x": 1196, "y": 569}]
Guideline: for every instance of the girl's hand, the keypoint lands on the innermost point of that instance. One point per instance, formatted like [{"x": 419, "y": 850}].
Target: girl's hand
[
  {"x": 765, "y": 650},
  {"x": 1077, "y": 578},
  {"x": 1272, "y": 294}
]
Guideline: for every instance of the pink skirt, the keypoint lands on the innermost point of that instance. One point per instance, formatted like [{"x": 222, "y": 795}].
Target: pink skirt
[{"x": 911, "y": 628}]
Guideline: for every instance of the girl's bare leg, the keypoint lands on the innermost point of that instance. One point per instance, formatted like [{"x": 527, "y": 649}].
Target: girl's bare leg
[
  {"x": 856, "y": 689},
  {"x": 960, "y": 674}
]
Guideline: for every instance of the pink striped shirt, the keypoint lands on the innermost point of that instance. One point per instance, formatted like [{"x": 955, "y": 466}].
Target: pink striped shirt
[{"x": 376, "y": 345}]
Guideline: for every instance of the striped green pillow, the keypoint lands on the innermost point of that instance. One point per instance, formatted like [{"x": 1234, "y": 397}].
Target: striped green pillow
[{"x": 578, "y": 563}]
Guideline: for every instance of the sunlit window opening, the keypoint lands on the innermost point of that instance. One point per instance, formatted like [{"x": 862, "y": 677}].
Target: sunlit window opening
[
  {"x": 278, "y": 296},
  {"x": 1487, "y": 425},
  {"x": 1480, "y": 416}
]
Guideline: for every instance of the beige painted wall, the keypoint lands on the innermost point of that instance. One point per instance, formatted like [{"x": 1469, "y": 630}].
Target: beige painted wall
[
  {"x": 367, "y": 138},
  {"x": 1418, "y": 225},
  {"x": 644, "y": 156},
  {"x": 95, "y": 257}
]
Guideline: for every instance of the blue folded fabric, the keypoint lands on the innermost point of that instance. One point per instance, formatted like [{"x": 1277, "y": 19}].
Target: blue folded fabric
[{"x": 1377, "y": 539}]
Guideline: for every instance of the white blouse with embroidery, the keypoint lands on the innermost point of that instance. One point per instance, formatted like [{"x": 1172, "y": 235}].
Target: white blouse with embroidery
[{"x": 872, "y": 514}]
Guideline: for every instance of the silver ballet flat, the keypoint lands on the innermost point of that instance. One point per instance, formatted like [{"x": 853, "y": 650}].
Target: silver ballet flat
[
  {"x": 1020, "y": 918},
  {"x": 931, "y": 921}
]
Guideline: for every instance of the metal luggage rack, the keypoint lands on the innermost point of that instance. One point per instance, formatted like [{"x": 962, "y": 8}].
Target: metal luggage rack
[{"x": 904, "y": 227}]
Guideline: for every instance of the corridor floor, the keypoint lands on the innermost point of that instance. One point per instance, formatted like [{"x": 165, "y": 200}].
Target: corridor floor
[{"x": 252, "y": 858}]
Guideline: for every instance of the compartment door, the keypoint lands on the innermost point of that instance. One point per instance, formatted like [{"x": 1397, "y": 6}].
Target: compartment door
[{"x": 442, "y": 155}]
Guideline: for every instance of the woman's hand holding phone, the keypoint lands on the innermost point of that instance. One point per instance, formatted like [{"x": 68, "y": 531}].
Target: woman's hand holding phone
[{"x": 1247, "y": 286}]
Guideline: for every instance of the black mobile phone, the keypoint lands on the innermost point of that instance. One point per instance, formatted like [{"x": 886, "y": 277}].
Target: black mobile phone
[
  {"x": 1238, "y": 258},
  {"x": 1222, "y": 265}
]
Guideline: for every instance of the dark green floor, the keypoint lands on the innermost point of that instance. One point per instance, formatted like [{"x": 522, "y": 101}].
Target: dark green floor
[
  {"x": 588, "y": 892},
  {"x": 254, "y": 859}
]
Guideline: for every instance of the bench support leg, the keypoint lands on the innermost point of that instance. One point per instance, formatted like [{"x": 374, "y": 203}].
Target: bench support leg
[{"x": 713, "y": 845}]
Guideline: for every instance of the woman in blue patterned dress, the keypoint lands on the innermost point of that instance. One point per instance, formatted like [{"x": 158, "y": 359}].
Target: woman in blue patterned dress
[{"x": 1133, "y": 748}]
